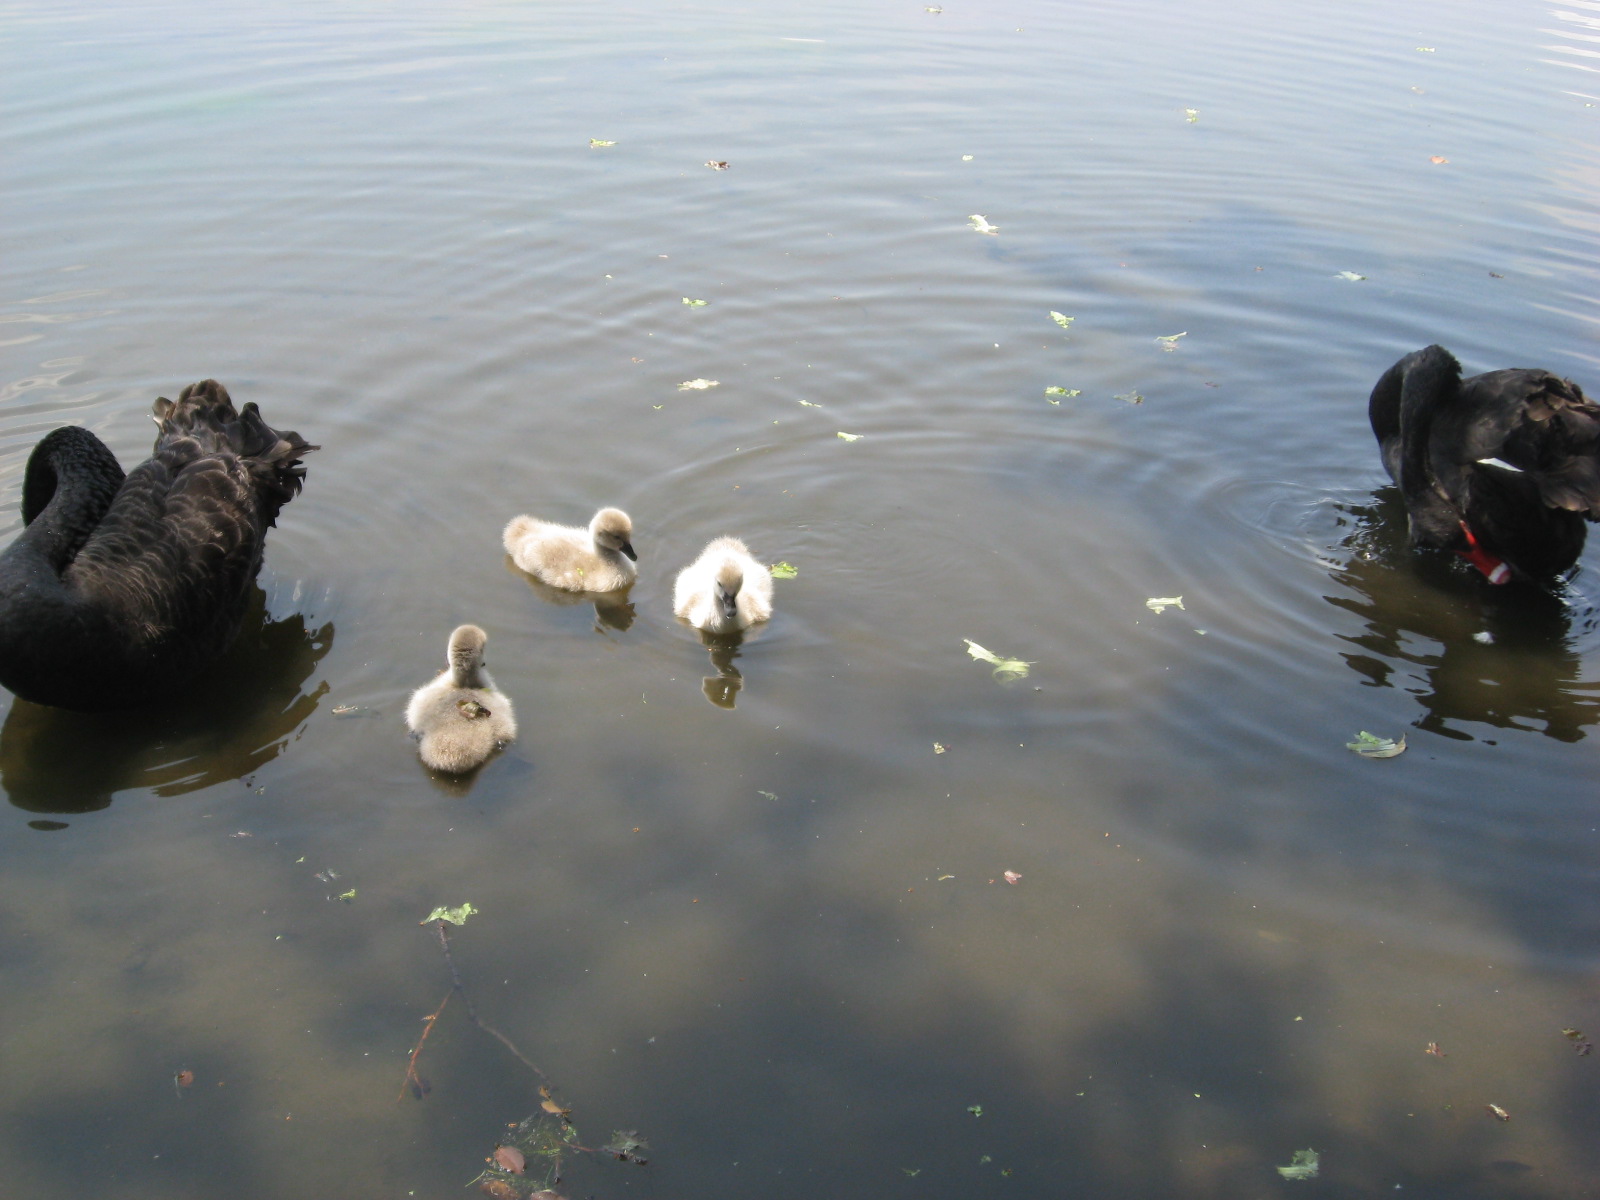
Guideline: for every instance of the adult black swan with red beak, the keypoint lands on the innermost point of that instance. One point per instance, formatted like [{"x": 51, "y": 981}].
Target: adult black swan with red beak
[
  {"x": 121, "y": 588},
  {"x": 1501, "y": 468}
]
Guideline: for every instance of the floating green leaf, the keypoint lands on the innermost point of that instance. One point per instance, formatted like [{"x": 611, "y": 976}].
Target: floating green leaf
[
  {"x": 1062, "y": 319},
  {"x": 1170, "y": 342},
  {"x": 456, "y": 916},
  {"x": 695, "y": 303},
  {"x": 597, "y": 143},
  {"x": 698, "y": 385},
  {"x": 1304, "y": 1165},
  {"x": 850, "y": 437},
  {"x": 1005, "y": 669},
  {"x": 1159, "y": 604},
  {"x": 981, "y": 224},
  {"x": 1370, "y": 745},
  {"x": 807, "y": 404},
  {"x": 1191, "y": 115},
  {"x": 349, "y": 896},
  {"x": 1061, "y": 391},
  {"x": 1350, "y": 275},
  {"x": 768, "y": 795},
  {"x": 783, "y": 570},
  {"x": 975, "y": 1109}
]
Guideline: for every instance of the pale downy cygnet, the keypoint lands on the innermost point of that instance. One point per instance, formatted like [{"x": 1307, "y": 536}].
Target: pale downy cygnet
[
  {"x": 461, "y": 717},
  {"x": 724, "y": 589},
  {"x": 597, "y": 559}
]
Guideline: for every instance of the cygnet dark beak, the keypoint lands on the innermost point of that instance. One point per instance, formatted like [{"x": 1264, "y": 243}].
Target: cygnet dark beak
[
  {"x": 730, "y": 604},
  {"x": 627, "y": 548}
]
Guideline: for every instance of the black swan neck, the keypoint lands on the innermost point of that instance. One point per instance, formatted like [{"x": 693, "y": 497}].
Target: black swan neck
[{"x": 71, "y": 479}]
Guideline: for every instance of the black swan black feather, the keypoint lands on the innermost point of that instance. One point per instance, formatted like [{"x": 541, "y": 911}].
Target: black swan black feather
[
  {"x": 1501, "y": 468},
  {"x": 120, "y": 588}
]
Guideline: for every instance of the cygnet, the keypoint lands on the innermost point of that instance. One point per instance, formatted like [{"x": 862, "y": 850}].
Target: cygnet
[
  {"x": 461, "y": 717},
  {"x": 597, "y": 559},
  {"x": 724, "y": 590}
]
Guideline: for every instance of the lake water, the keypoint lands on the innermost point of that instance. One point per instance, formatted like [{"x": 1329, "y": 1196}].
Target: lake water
[{"x": 751, "y": 902}]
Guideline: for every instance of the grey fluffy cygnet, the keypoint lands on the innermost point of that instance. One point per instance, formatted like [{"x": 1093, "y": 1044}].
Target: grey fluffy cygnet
[
  {"x": 461, "y": 717},
  {"x": 597, "y": 559},
  {"x": 724, "y": 590}
]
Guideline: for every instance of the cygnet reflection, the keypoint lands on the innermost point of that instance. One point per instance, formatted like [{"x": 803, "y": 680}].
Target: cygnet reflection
[
  {"x": 612, "y": 610},
  {"x": 723, "y": 688}
]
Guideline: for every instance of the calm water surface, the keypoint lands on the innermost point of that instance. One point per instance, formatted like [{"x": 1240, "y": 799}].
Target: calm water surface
[{"x": 736, "y": 898}]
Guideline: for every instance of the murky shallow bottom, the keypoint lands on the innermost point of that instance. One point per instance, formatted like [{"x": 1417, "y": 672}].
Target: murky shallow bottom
[{"x": 754, "y": 906}]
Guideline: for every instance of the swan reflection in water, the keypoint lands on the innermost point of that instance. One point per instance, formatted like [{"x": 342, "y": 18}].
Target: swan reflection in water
[
  {"x": 226, "y": 724},
  {"x": 612, "y": 610},
  {"x": 1471, "y": 652},
  {"x": 722, "y": 689}
]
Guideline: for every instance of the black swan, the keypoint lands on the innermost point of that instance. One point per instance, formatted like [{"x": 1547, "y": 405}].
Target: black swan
[
  {"x": 1502, "y": 468},
  {"x": 120, "y": 588}
]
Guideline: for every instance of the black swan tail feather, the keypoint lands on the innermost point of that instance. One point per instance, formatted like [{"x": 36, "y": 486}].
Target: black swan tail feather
[{"x": 204, "y": 414}]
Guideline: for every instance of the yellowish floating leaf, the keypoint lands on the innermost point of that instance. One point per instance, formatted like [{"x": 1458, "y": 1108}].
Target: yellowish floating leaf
[
  {"x": 783, "y": 570},
  {"x": 1351, "y": 276},
  {"x": 1191, "y": 115},
  {"x": 1303, "y": 1165},
  {"x": 850, "y": 437},
  {"x": 1005, "y": 669},
  {"x": 1160, "y": 604},
  {"x": 695, "y": 303},
  {"x": 599, "y": 143},
  {"x": 940, "y": 747},
  {"x": 697, "y": 385},
  {"x": 456, "y": 916},
  {"x": 1170, "y": 342},
  {"x": 1062, "y": 319},
  {"x": 807, "y": 404},
  {"x": 981, "y": 224},
  {"x": 1370, "y": 745},
  {"x": 1498, "y": 1113},
  {"x": 717, "y": 164}
]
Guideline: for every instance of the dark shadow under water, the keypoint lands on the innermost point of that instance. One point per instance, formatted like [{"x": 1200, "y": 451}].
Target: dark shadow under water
[
  {"x": 233, "y": 719},
  {"x": 1502, "y": 656}
]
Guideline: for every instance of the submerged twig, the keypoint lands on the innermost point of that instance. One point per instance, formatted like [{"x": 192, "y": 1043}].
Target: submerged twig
[
  {"x": 455, "y": 976},
  {"x": 412, "y": 1079}
]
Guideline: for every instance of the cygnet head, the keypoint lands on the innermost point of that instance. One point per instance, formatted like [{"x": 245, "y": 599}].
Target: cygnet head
[
  {"x": 466, "y": 654},
  {"x": 730, "y": 578},
  {"x": 612, "y": 530}
]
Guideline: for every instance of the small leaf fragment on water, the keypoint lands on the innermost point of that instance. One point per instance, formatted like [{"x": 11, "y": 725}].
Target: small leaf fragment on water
[
  {"x": 697, "y": 385},
  {"x": 807, "y": 404},
  {"x": 1062, "y": 319},
  {"x": 915, "y": 1171},
  {"x": 1433, "y": 1049},
  {"x": 942, "y": 878},
  {"x": 1170, "y": 342},
  {"x": 966, "y": 158},
  {"x": 456, "y": 916},
  {"x": 1425, "y": 49},
  {"x": 1129, "y": 397},
  {"x": 975, "y": 1109},
  {"x": 1370, "y": 745},
  {"x": 768, "y": 795},
  {"x": 1438, "y": 158},
  {"x": 1061, "y": 391},
  {"x": 1191, "y": 114},
  {"x": 1580, "y": 1043},
  {"x": 717, "y": 164},
  {"x": 625, "y": 1144},
  {"x": 1498, "y": 1113},
  {"x": 1303, "y": 1165},
  {"x": 1004, "y": 668},
  {"x": 349, "y": 896},
  {"x": 981, "y": 224},
  {"x": 1350, "y": 275},
  {"x": 509, "y": 1158},
  {"x": 783, "y": 570},
  {"x": 940, "y": 747},
  {"x": 695, "y": 303},
  {"x": 850, "y": 437},
  {"x": 1013, "y": 877},
  {"x": 183, "y": 1078},
  {"x": 597, "y": 143},
  {"x": 1160, "y": 604}
]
